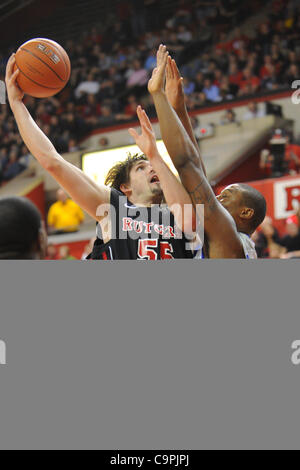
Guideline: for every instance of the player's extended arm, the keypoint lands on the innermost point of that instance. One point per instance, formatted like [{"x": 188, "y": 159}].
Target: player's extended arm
[
  {"x": 219, "y": 225},
  {"x": 175, "y": 96},
  {"x": 82, "y": 189},
  {"x": 176, "y": 196}
]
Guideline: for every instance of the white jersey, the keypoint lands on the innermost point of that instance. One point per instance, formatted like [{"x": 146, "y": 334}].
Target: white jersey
[{"x": 248, "y": 246}]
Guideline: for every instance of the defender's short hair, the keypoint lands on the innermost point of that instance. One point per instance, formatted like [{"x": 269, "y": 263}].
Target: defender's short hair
[
  {"x": 254, "y": 200},
  {"x": 20, "y": 222},
  {"x": 119, "y": 173}
]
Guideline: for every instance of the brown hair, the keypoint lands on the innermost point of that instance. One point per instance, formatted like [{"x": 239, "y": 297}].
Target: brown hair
[{"x": 119, "y": 173}]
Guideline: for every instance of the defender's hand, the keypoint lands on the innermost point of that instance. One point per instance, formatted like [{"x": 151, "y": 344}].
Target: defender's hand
[
  {"x": 14, "y": 93},
  {"x": 146, "y": 141},
  {"x": 174, "y": 85},
  {"x": 157, "y": 81}
]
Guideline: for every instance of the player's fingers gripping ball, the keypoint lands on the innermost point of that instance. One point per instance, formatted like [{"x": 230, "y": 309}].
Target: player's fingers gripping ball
[{"x": 44, "y": 67}]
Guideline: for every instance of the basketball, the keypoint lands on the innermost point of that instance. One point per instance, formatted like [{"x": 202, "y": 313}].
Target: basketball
[{"x": 44, "y": 67}]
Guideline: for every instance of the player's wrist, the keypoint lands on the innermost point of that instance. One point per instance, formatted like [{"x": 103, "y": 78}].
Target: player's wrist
[
  {"x": 159, "y": 92},
  {"x": 14, "y": 102}
]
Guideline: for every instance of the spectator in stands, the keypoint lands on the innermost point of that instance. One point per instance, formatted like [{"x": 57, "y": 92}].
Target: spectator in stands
[
  {"x": 89, "y": 86},
  {"x": 103, "y": 143},
  {"x": 291, "y": 241},
  {"x": 266, "y": 236},
  {"x": 22, "y": 234},
  {"x": 211, "y": 91},
  {"x": 291, "y": 163},
  {"x": 276, "y": 251},
  {"x": 150, "y": 62},
  {"x": 107, "y": 117},
  {"x": 64, "y": 215},
  {"x": 12, "y": 167},
  {"x": 250, "y": 82},
  {"x": 51, "y": 252},
  {"x": 137, "y": 76},
  {"x": 229, "y": 117},
  {"x": 130, "y": 109},
  {"x": 188, "y": 86},
  {"x": 253, "y": 111},
  {"x": 292, "y": 156},
  {"x": 64, "y": 253}
]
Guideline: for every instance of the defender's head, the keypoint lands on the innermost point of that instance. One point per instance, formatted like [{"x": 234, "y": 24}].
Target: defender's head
[
  {"x": 246, "y": 205},
  {"x": 136, "y": 179},
  {"x": 22, "y": 234}
]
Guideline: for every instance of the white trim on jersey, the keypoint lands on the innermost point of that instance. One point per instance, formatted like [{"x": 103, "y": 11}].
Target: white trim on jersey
[{"x": 248, "y": 247}]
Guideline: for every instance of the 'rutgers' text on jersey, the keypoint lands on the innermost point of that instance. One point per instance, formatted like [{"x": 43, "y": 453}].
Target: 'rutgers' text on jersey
[{"x": 142, "y": 233}]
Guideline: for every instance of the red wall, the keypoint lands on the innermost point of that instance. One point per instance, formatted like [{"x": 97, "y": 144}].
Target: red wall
[
  {"x": 37, "y": 196},
  {"x": 76, "y": 248}
]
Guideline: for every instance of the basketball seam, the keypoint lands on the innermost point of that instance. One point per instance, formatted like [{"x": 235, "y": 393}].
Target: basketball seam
[
  {"x": 45, "y": 63},
  {"x": 61, "y": 55},
  {"x": 42, "y": 86}
]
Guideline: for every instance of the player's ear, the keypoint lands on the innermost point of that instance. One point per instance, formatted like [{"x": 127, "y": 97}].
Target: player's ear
[
  {"x": 125, "y": 188},
  {"x": 247, "y": 213}
]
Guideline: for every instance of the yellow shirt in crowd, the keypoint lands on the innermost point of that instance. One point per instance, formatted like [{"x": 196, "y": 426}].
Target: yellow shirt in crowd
[{"x": 65, "y": 216}]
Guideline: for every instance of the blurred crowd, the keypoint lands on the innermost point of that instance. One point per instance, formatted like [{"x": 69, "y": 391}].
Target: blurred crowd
[
  {"x": 271, "y": 244},
  {"x": 111, "y": 67}
]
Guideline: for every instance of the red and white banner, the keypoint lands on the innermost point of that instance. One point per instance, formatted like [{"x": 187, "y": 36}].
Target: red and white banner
[{"x": 286, "y": 198}]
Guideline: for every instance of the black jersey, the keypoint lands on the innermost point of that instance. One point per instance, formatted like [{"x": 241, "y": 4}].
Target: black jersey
[{"x": 146, "y": 233}]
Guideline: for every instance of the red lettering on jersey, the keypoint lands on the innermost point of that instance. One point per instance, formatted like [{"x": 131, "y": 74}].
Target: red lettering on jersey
[
  {"x": 127, "y": 224},
  {"x": 148, "y": 227},
  {"x": 169, "y": 232},
  {"x": 165, "y": 250},
  {"x": 159, "y": 229},
  {"x": 145, "y": 251},
  {"x": 138, "y": 226}
]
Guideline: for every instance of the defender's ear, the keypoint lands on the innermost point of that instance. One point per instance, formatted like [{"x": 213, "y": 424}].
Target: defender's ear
[{"x": 247, "y": 213}]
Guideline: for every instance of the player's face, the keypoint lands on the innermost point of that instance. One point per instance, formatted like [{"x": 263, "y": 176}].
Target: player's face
[
  {"x": 144, "y": 182},
  {"x": 231, "y": 199}
]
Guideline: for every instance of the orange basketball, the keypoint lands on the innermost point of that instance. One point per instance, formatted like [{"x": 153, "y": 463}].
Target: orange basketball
[{"x": 44, "y": 67}]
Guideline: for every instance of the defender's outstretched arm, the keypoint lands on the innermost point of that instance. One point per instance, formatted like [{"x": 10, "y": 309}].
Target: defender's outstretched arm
[
  {"x": 219, "y": 225},
  {"x": 175, "y": 96}
]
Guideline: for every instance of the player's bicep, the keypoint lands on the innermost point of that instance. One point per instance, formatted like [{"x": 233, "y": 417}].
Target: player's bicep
[{"x": 80, "y": 187}]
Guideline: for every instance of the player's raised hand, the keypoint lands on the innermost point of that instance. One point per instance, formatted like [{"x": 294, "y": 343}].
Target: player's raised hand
[
  {"x": 174, "y": 85},
  {"x": 146, "y": 141},
  {"x": 157, "y": 81},
  {"x": 14, "y": 93}
]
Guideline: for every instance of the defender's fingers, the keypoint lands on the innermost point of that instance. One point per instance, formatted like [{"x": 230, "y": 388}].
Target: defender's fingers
[
  {"x": 175, "y": 69},
  {"x": 169, "y": 70},
  {"x": 161, "y": 54}
]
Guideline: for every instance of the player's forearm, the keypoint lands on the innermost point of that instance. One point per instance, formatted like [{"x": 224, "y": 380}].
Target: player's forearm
[
  {"x": 179, "y": 145},
  {"x": 186, "y": 122},
  {"x": 176, "y": 196},
  {"x": 35, "y": 140}
]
